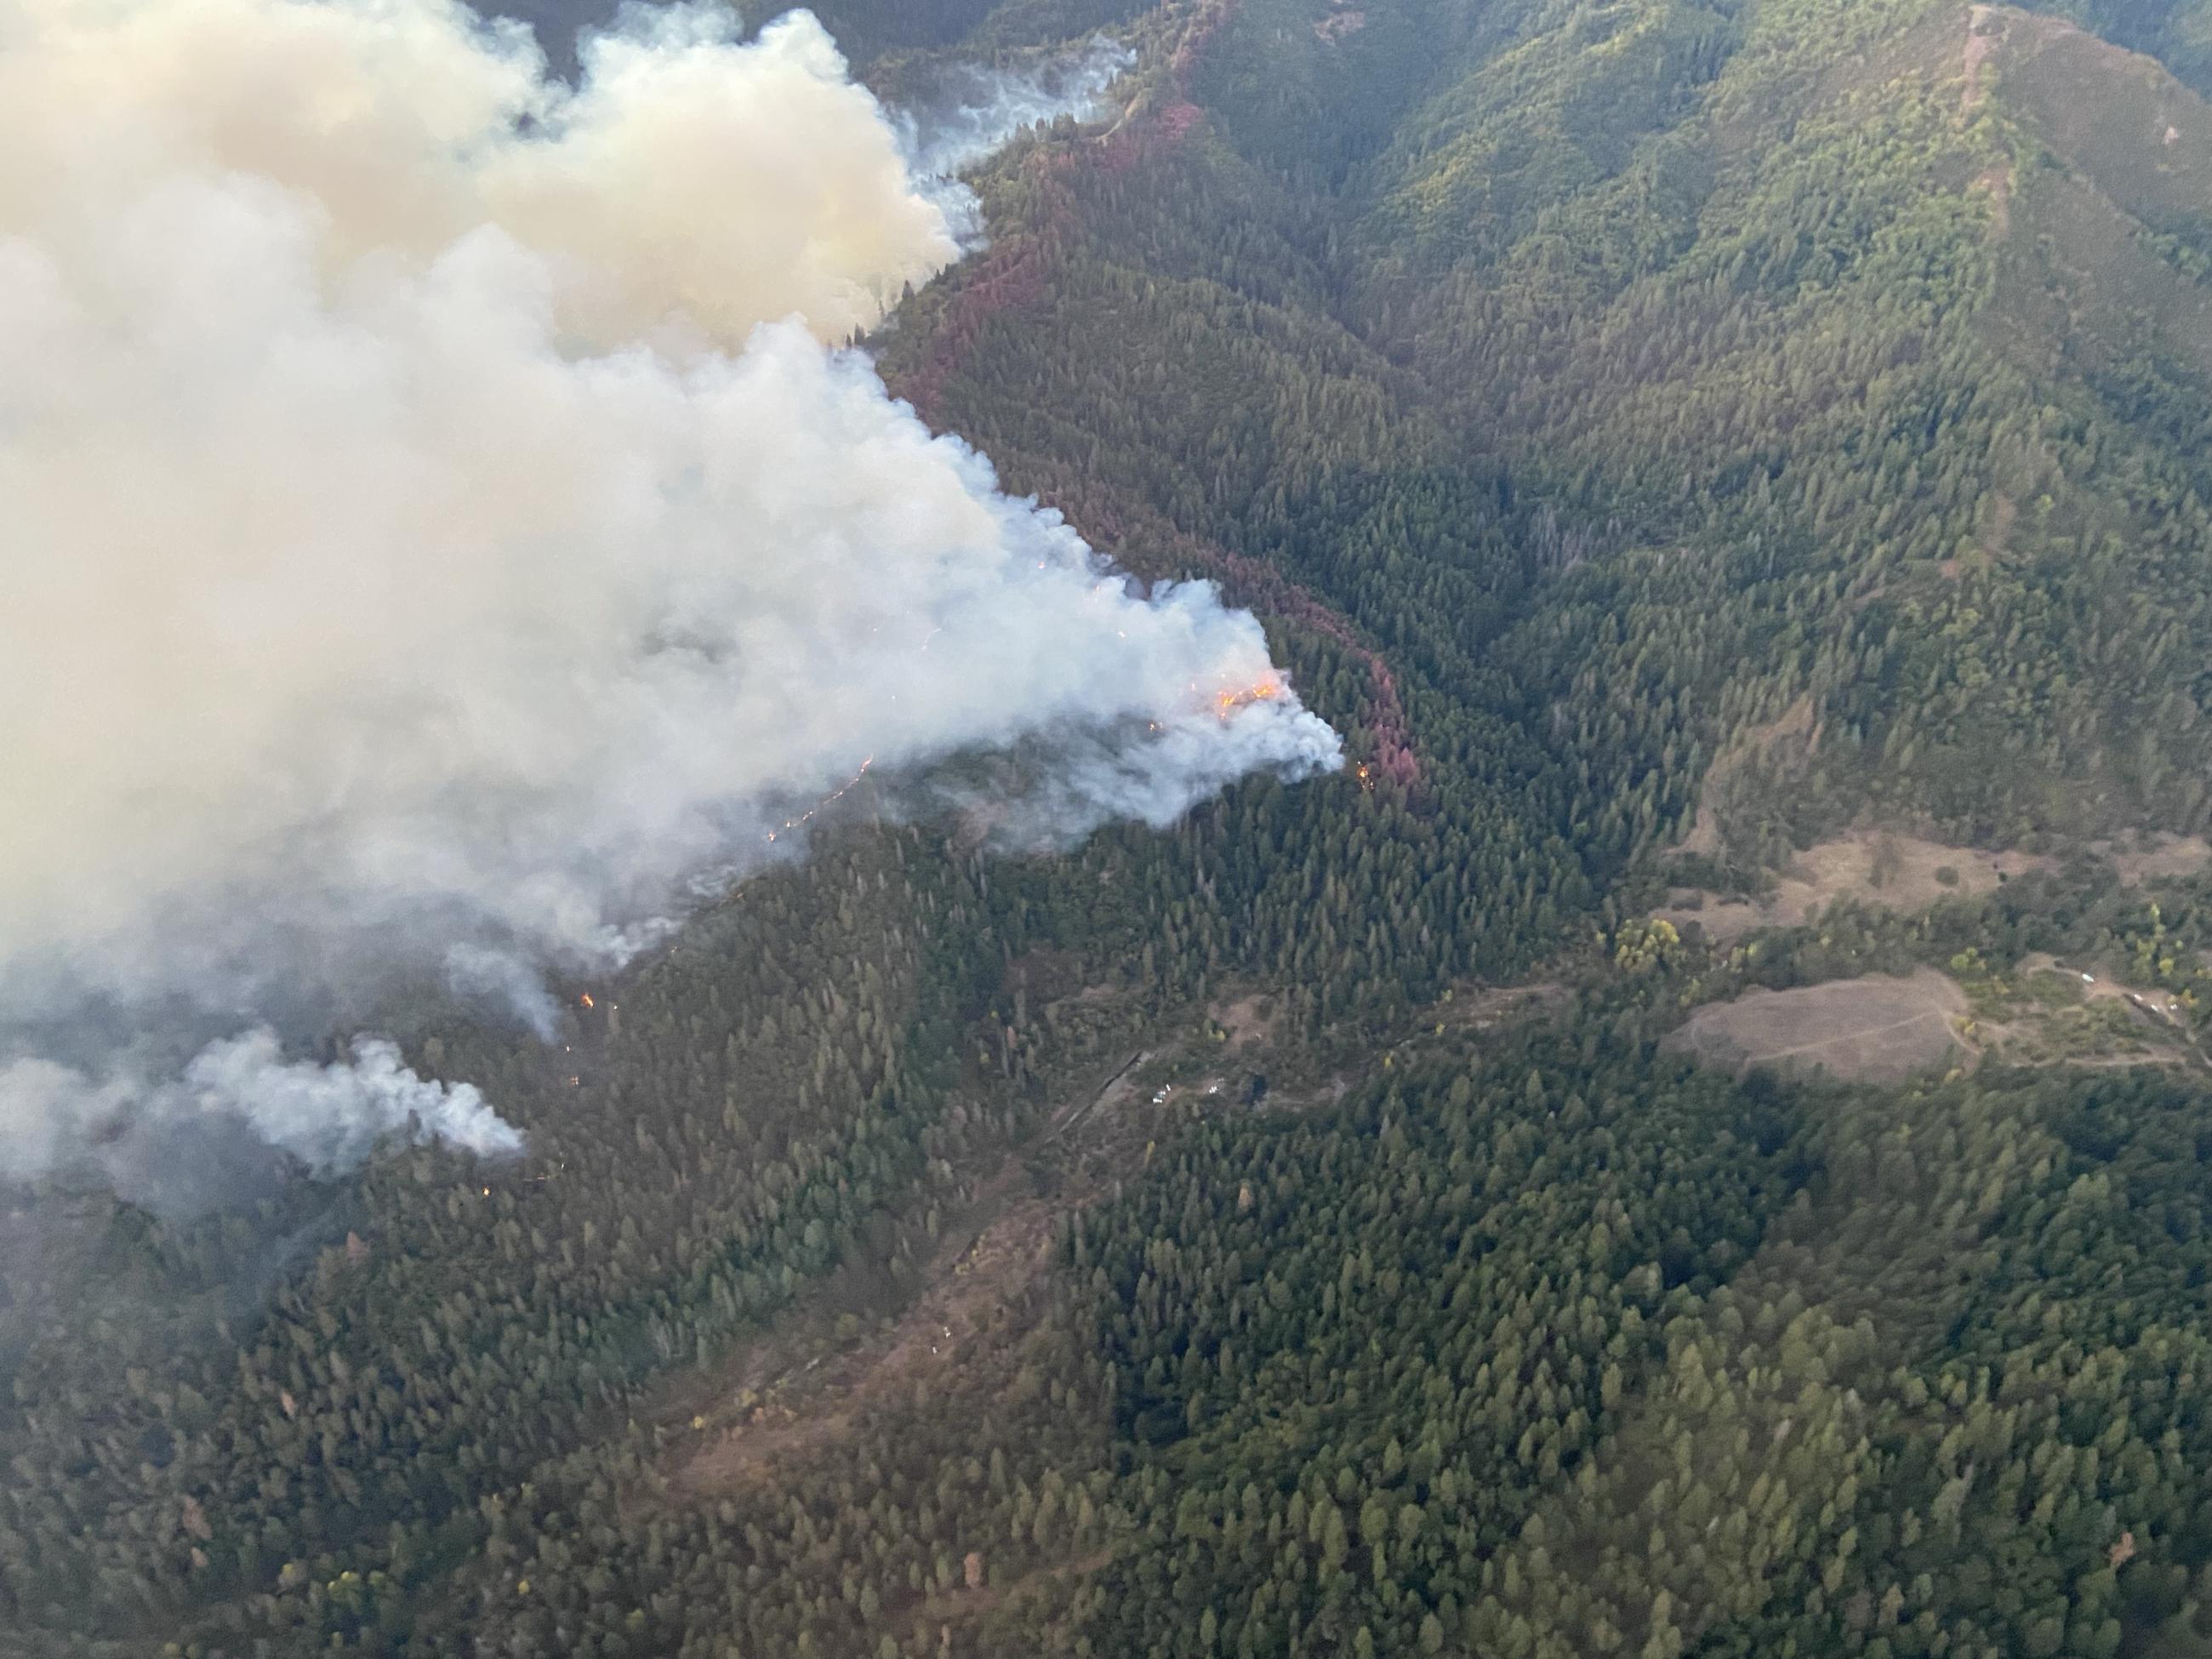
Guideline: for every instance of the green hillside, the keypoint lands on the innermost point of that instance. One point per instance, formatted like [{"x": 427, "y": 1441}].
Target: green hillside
[
  {"x": 1889, "y": 379},
  {"x": 1679, "y": 445}
]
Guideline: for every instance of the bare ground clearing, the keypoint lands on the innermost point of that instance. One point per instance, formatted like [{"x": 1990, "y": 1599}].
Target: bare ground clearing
[
  {"x": 1892, "y": 871},
  {"x": 1250, "y": 1018},
  {"x": 2156, "y": 857},
  {"x": 1874, "y": 1027}
]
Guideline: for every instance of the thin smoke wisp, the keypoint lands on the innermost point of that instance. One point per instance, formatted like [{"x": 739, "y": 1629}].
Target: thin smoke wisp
[
  {"x": 973, "y": 112},
  {"x": 437, "y": 530}
]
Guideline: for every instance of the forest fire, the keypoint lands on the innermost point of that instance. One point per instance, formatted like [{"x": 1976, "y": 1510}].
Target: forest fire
[
  {"x": 838, "y": 793},
  {"x": 1226, "y": 703}
]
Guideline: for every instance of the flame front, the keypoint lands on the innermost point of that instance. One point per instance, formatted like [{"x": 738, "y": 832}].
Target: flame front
[
  {"x": 1227, "y": 703},
  {"x": 836, "y": 795}
]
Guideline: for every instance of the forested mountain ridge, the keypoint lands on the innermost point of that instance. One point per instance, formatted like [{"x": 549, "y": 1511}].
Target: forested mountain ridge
[
  {"x": 1585, "y": 394},
  {"x": 1723, "y": 330}
]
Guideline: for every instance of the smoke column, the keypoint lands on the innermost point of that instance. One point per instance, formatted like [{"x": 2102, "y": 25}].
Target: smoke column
[{"x": 437, "y": 531}]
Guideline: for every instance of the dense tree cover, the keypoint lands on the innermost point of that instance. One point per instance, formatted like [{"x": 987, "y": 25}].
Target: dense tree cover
[
  {"x": 1348, "y": 1374},
  {"x": 1617, "y": 412},
  {"x": 1837, "y": 390},
  {"x": 1567, "y": 1351},
  {"x": 1921, "y": 1420},
  {"x": 1187, "y": 1353},
  {"x": 481, "y": 1319}
]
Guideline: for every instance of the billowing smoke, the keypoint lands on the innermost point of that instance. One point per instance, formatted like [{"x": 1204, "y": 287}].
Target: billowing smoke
[
  {"x": 328, "y": 1116},
  {"x": 436, "y": 534}
]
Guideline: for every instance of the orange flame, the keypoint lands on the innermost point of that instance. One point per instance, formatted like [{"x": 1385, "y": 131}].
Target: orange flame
[
  {"x": 1226, "y": 703},
  {"x": 836, "y": 794}
]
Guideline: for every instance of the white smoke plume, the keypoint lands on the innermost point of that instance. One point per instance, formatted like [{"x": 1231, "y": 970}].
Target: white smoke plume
[
  {"x": 328, "y": 1116},
  {"x": 974, "y": 112},
  {"x": 436, "y": 531},
  {"x": 970, "y": 112}
]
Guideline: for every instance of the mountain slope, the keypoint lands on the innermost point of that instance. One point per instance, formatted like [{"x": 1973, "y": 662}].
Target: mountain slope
[
  {"x": 1882, "y": 370},
  {"x": 1770, "y": 415}
]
